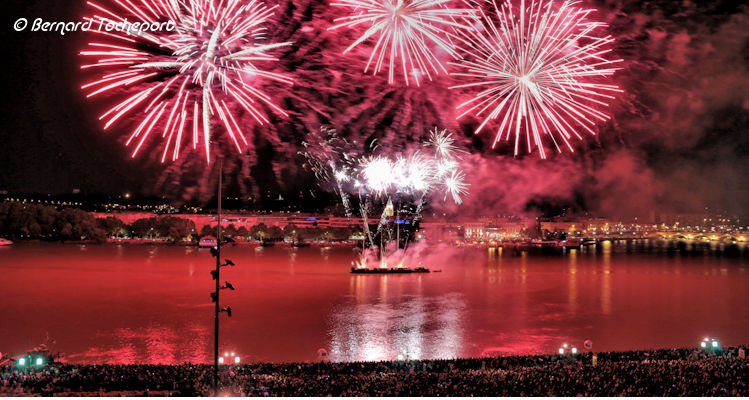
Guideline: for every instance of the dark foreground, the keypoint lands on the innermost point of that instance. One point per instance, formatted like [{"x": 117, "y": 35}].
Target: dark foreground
[{"x": 675, "y": 372}]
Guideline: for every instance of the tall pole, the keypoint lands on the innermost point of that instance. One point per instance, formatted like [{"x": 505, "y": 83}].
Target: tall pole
[{"x": 218, "y": 287}]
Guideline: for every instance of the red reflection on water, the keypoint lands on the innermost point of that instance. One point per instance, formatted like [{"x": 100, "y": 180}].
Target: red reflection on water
[
  {"x": 138, "y": 303},
  {"x": 388, "y": 321}
]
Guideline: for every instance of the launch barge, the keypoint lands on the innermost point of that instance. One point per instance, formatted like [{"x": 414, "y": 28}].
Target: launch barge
[{"x": 355, "y": 270}]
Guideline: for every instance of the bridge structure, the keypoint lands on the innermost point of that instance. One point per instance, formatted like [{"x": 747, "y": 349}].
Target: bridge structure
[{"x": 700, "y": 237}]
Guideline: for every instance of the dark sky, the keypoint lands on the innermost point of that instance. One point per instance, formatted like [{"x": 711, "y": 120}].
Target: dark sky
[
  {"x": 678, "y": 140},
  {"x": 52, "y": 141}
]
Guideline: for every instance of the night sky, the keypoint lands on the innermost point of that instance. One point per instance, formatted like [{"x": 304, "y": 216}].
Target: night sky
[{"x": 678, "y": 140}]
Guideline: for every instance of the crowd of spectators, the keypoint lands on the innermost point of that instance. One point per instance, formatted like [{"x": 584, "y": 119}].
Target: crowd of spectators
[{"x": 673, "y": 372}]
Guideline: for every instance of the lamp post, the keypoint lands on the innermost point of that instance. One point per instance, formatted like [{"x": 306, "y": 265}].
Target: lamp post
[
  {"x": 216, "y": 277},
  {"x": 216, "y": 274},
  {"x": 710, "y": 345}
]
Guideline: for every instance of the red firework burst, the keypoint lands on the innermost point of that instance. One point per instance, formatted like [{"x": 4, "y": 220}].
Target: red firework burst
[
  {"x": 539, "y": 70},
  {"x": 177, "y": 82}
]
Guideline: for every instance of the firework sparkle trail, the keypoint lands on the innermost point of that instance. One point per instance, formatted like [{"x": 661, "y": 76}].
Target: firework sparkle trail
[
  {"x": 179, "y": 81},
  {"x": 538, "y": 70},
  {"x": 387, "y": 182},
  {"x": 404, "y": 30}
]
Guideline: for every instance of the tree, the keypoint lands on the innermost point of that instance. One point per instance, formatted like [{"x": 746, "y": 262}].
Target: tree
[
  {"x": 310, "y": 233},
  {"x": 144, "y": 227},
  {"x": 208, "y": 230},
  {"x": 275, "y": 232},
  {"x": 82, "y": 225},
  {"x": 242, "y": 233},
  {"x": 229, "y": 231},
  {"x": 180, "y": 228},
  {"x": 167, "y": 226},
  {"x": 290, "y": 231},
  {"x": 114, "y": 227},
  {"x": 35, "y": 221},
  {"x": 259, "y": 231},
  {"x": 45, "y": 217}
]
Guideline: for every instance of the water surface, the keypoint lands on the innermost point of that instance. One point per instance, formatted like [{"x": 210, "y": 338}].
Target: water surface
[{"x": 151, "y": 303}]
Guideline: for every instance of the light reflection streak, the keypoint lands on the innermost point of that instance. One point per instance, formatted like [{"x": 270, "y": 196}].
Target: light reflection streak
[
  {"x": 385, "y": 324},
  {"x": 572, "y": 300},
  {"x": 155, "y": 344},
  {"x": 606, "y": 283}
]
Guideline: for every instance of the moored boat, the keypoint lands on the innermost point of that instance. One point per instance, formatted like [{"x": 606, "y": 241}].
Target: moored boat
[
  {"x": 545, "y": 243},
  {"x": 5, "y": 242},
  {"x": 207, "y": 241}
]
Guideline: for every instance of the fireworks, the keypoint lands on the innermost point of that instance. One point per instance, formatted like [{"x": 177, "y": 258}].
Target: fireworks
[
  {"x": 538, "y": 69},
  {"x": 444, "y": 144},
  {"x": 179, "y": 81},
  {"x": 390, "y": 186},
  {"x": 404, "y": 29},
  {"x": 415, "y": 175},
  {"x": 455, "y": 187}
]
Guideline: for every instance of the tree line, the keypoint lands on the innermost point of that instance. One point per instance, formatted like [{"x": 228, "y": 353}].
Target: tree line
[{"x": 20, "y": 221}]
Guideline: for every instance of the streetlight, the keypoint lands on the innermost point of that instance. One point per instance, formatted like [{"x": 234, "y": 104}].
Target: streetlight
[
  {"x": 709, "y": 344},
  {"x": 215, "y": 274}
]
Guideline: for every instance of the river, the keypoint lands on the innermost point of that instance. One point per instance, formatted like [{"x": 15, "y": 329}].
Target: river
[{"x": 150, "y": 303}]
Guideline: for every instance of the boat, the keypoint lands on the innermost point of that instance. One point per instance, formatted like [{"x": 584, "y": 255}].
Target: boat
[
  {"x": 355, "y": 270},
  {"x": 207, "y": 241},
  {"x": 300, "y": 243},
  {"x": 267, "y": 243},
  {"x": 5, "y": 242},
  {"x": 545, "y": 243}
]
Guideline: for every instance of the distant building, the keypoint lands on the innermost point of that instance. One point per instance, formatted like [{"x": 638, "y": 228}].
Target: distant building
[{"x": 684, "y": 220}]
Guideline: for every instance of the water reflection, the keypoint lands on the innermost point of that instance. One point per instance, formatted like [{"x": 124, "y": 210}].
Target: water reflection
[
  {"x": 572, "y": 284},
  {"x": 125, "y": 303},
  {"x": 606, "y": 279},
  {"x": 155, "y": 344},
  {"x": 385, "y": 323}
]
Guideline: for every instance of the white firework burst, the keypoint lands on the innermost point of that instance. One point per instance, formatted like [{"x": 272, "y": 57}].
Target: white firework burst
[{"x": 538, "y": 71}]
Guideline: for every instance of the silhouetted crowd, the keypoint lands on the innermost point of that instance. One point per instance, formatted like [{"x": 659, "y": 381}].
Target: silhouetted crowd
[{"x": 674, "y": 372}]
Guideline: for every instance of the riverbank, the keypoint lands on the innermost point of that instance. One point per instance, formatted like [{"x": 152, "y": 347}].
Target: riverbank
[
  {"x": 237, "y": 243},
  {"x": 641, "y": 246},
  {"x": 664, "y": 372}
]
